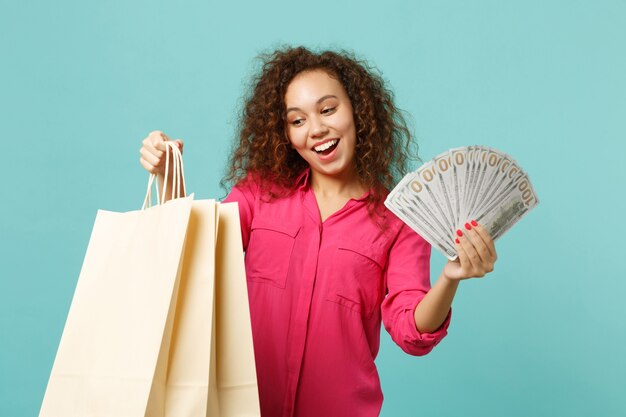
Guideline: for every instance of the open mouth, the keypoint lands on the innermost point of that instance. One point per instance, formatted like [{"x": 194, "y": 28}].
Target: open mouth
[{"x": 327, "y": 147}]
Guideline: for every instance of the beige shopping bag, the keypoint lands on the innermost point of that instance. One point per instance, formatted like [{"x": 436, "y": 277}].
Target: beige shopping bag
[
  {"x": 117, "y": 327},
  {"x": 190, "y": 364},
  {"x": 116, "y": 341},
  {"x": 211, "y": 370},
  {"x": 236, "y": 387},
  {"x": 145, "y": 335}
]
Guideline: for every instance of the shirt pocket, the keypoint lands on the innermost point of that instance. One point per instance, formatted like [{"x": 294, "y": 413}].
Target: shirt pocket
[
  {"x": 269, "y": 251},
  {"x": 357, "y": 282}
]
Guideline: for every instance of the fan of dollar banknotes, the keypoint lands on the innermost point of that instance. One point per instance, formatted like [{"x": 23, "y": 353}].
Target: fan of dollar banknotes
[{"x": 462, "y": 184}]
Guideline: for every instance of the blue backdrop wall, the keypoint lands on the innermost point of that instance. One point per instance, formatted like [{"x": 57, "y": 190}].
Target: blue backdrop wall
[{"x": 81, "y": 83}]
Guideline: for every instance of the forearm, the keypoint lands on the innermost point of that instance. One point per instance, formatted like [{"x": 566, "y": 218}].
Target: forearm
[{"x": 432, "y": 311}]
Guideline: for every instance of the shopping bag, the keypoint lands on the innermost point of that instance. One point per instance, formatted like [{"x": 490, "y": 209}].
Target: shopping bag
[
  {"x": 120, "y": 317},
  {"x": 115, "y": 343},
  {"x": 237, "y": 389},
  {"x": 198, "y": 355},
  {"x": 190, "y": 363},
  {"x": 211, "y": 371}
]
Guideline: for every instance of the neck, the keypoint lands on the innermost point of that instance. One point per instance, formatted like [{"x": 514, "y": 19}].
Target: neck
[{"x": 347, "y": 184}]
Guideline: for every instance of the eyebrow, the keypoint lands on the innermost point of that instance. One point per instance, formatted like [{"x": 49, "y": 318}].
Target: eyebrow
[{"x": 327, "y": 96}]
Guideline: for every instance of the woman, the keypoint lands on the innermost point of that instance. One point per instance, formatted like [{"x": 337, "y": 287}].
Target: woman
[{"x": 320, "y": 144}]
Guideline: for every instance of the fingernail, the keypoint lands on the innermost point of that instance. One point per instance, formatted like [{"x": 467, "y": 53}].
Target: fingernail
[
  {"x": 459, "y": 233},
  {"x": 457, "y": 241},
  {"x": 474, "y": 223},
  {"x": 467, "y": 226}
]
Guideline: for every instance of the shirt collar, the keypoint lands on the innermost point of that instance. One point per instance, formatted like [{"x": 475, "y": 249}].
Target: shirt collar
[{"x": 303, "y": 182}]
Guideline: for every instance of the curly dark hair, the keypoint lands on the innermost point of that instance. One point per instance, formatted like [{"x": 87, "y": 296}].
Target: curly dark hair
[{"x": 384, "y": 146}]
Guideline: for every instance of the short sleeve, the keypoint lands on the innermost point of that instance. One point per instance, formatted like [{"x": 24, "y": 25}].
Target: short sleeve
[
  {"x": 408, "y": 281},
  {"x": 245, "y": 195}
]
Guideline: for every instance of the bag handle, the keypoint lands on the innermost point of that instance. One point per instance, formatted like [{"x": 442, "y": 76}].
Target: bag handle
[{"x": 178, "y": 177}]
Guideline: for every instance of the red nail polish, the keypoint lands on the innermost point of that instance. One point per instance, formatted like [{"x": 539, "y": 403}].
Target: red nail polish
[
  {"x": 457, "y": 241},
  {"x": 459, "y": 233},
  {"x": 474, "y": 223},
  {"x": 467, "y": 226}
]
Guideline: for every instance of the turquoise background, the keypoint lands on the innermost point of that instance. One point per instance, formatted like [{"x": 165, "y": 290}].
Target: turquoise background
[{"x": 81, "y": 83}]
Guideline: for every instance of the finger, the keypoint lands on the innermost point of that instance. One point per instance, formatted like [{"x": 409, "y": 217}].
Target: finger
[
  {"x": 453, "y": 269},
  {"x": 466, "y": 263},
  {"x": 472, "y": 255},
  {"x": 157, "y": 138},
  {"x": 479, "y": 244},
  {"x": 149, "y": 146},
  {"x": 148, "y": 167},
  {"x": 150, "y": 158},
  {"x": 485, "y": 261},
  {"x": 486, "y": 238},
  {"x": 179, "y": 143}
]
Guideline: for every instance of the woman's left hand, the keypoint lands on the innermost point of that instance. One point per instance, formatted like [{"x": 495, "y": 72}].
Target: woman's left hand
[{"x": 477, "y": 253}]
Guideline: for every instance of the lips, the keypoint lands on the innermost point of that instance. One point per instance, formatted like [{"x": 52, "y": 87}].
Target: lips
[{"x": 326, "y": 146}]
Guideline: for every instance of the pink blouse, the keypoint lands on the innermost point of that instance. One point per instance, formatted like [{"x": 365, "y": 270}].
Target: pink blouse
[{"x": 317, "y": 293}]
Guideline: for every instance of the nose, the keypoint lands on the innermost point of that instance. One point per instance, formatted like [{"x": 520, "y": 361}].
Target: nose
[{"x": 318, "y": 128}]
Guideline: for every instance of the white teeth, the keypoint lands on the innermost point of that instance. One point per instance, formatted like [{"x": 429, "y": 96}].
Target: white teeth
[{"x": 324, "y": 146}]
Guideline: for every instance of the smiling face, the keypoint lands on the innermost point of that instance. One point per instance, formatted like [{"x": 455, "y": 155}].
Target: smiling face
[{"x": 320, "y": 124}]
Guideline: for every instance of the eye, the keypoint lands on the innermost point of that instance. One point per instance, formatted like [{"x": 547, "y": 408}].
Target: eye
[
  {"x": 329, "y": 110},
  {"x": 297, "y": 122}
]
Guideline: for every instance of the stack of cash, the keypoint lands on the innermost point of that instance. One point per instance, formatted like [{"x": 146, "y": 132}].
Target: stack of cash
[{"x": 460, "y": 185}]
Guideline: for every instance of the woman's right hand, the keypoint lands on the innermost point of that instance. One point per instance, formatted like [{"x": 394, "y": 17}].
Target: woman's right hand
[{"x": 153, "y": 150}]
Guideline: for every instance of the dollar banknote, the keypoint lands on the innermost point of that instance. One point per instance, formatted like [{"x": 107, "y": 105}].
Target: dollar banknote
[{"x": 462, "y": 184}]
